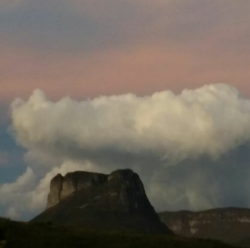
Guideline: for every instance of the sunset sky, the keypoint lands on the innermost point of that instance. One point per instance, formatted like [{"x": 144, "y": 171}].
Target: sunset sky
[
  {"x": 93, "y": 47},
  {"x": 110, "y": 58}
]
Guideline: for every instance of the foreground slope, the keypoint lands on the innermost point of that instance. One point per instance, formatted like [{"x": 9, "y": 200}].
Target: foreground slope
[
  {"x": 41, "y": 235},
  {"x": 231, "y": 225},
  {"x": 91, "y": 200}
]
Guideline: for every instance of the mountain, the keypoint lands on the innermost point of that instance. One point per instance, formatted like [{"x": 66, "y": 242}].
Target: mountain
[
  {"x": 231, "y": 225},
  {"x": 107, "y": 202}
]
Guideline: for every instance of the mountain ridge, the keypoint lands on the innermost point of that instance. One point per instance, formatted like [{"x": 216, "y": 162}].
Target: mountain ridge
[{"x": 229, "y": 224}]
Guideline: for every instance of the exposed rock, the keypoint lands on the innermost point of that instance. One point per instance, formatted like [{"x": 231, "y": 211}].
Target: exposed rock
[
  {"x": 93, "y": 200},
  {"x": 231, "y": 225},
  {"x": 55, "y": 191},
  {"x": 61, "y": 187}
]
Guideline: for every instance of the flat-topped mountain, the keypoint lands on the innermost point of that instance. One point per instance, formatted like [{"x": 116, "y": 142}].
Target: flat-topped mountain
[
  {"x": 98, "y": 201},
  {"x": 231, "y": 225}
]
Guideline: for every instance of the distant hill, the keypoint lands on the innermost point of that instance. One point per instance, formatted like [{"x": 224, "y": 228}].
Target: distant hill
[
  {"x": 106, "y": 202},
  {"x": 47, "y": 235},
  {"x": 231, "y": 225}
]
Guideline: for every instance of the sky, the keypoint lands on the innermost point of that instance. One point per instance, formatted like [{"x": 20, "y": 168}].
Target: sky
[{"x": 160, "y": 86}]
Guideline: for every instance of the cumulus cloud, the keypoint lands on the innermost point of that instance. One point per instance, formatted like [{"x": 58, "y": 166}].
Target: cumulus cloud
[
  {"x": 28, "y": 194},
  {"x": 191, "y": 150},
  {"x": 14, "y": 195},
  {"x": 207, "y": 121}
]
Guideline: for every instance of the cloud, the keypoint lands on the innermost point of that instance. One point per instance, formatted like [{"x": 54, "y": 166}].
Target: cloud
[
  {"x": 28, "y": 194},
  {"x": 14, "y": 194},
  {"x": 12, "y": 213},
  {"x": 209, "y": 121},
  {"x": 4, "y": 158}
]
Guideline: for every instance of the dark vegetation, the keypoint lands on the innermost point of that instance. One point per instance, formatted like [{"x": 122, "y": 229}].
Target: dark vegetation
[{"x": 38, "y": 235}]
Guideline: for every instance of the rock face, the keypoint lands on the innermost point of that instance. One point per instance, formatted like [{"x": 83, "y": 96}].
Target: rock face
[
  {"x": 97, "y": 201},
  {"x": 62, "y": 187},
  {"x": 231, "y": 225}
]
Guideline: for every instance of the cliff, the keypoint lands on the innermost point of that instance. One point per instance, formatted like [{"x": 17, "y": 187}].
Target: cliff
[
  {"x": 97, "y": 201},
  {"x": 231, "y": 225},
  {"x": 62, "y": 187}
]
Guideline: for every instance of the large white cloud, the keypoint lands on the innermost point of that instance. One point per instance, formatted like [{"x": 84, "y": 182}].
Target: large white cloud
[
  {"x": 207, "y": 121},
  {"x": 191, "y": 150}
]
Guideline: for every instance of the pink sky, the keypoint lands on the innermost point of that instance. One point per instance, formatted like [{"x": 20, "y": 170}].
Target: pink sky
[{"x": 132, "y": 46}]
